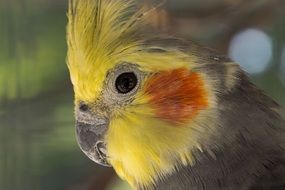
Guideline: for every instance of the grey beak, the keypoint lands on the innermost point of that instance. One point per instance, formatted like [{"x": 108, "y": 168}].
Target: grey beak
[{"x": 90, "y": 138}]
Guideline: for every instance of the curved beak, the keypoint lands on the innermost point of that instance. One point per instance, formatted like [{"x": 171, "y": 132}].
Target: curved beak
[{"x": 90, "y": 138}]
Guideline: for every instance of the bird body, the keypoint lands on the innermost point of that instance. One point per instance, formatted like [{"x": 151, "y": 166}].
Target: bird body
[{"x": 166, "y": 113}]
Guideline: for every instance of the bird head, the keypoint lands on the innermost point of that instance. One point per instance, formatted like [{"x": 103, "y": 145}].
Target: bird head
[{"x": 141, "y": 101}]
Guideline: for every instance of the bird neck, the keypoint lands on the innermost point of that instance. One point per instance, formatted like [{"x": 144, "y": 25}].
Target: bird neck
[{"x": 230, "y": 170}]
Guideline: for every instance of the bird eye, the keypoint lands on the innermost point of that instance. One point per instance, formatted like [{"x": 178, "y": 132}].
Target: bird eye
[{"x": 126, "y": 82}]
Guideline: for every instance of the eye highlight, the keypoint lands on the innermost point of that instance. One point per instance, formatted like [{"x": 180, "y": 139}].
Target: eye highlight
[{"x": 126, "y": 82}]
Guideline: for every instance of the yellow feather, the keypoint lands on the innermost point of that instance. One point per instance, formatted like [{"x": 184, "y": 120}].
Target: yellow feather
[
  {"x": 99, "y": 33},
  {"x": 142, "y": 148}
]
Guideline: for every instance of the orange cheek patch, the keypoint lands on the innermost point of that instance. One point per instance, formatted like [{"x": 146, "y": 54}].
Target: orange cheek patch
[{"x": 176, "y": 95}]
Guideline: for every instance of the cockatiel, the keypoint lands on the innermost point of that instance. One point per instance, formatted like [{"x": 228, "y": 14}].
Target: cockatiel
[{"x": 166, "y": 113}]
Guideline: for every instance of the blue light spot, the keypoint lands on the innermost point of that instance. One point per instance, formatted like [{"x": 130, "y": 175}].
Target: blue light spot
[{"x": 252, "y": 50}]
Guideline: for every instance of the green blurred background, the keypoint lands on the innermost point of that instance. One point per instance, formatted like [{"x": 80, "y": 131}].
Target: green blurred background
[{"x": 38, "y": 150}]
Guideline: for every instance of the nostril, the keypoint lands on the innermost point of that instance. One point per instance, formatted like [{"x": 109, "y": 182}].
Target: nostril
[{"x": 83, "y": 107}]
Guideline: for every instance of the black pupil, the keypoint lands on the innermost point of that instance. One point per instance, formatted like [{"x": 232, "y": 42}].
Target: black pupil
[{"x": 126, "y": 82}]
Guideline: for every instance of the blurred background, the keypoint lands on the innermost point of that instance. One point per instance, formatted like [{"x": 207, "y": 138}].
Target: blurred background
[{"x": 38, "y": 149}]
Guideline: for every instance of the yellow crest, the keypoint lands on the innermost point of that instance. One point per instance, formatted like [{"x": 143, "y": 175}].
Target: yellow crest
[{"x": 99, "y": 33}]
